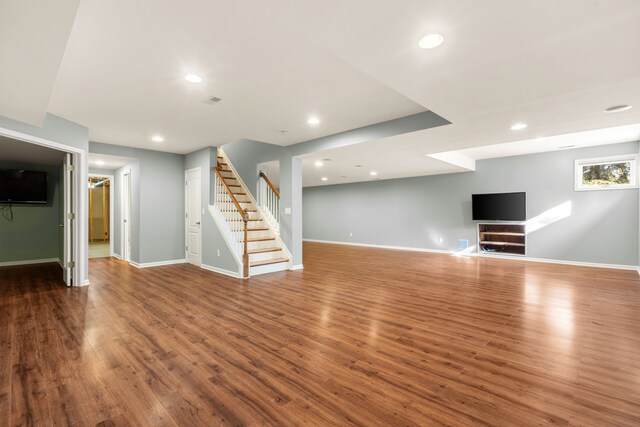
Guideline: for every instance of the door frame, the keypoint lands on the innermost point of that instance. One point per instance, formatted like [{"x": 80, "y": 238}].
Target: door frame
[
  {"x": 112, "y": 184},
  {"x": 186, "y": 220},
  {"x": 80, "y": 245},
  {"x": 125, "y": 255}
]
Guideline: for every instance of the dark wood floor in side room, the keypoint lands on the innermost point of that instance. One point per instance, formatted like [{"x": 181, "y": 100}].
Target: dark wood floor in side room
[{"x": 360, "y": 337}]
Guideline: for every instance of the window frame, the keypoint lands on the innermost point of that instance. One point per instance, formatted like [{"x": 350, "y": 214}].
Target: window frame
[{"x": 633, "y": 158}]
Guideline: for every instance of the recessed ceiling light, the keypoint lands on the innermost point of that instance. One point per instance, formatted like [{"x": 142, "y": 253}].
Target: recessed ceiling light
[
  {"x": 318, "y": 164},
  {"x": 519, "y": 126},
  {"x": 430, "y": 41},
  {"x": 99, "y": 162},
  {"x": 313, "y": 121},
  {"x": 193, "y": 78},
  {"x": 373, "y": 173},
  {"x": 618, "y": 108},
  {"x": 157, "y": 138},
  {"x": 324, "y": 178}
]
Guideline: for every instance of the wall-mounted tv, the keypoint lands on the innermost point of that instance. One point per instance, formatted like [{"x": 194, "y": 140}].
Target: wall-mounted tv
[
  {"x": 22, "y": 186},
  {"x": 499, "y": 207}
]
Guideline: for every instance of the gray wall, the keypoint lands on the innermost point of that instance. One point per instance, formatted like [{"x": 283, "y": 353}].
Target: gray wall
[
  {"x": 212, "y": 239},
  {"x": 157, "y": 203},
  {"x": 416, "y": 212},
  {"x": 34, "y": 233}
]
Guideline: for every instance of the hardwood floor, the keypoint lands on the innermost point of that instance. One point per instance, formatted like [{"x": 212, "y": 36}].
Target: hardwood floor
[{"x": 360, "y": 337}]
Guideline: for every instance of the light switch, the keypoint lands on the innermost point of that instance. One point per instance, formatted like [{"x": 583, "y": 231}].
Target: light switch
[{"x": 287, "y": 211}]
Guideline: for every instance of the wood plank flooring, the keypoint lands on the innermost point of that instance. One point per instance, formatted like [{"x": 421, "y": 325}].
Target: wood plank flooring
[{"x": 361, "y": 336}]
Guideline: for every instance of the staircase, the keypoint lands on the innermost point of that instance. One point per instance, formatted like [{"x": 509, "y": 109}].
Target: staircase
[{"x": 252, "y": 231}]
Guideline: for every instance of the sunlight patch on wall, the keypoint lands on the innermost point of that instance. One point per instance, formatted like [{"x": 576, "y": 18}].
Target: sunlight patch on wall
[{"x": 548, "y": 217}]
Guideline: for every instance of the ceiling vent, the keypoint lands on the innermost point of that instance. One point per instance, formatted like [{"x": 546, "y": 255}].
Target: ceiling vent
[{"x": 215, "y": 99}]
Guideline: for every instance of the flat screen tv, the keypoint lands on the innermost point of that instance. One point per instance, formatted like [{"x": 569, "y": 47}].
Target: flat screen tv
[
  {"x": 499, "y": 207},
  {"x": 22, "y": 186}
]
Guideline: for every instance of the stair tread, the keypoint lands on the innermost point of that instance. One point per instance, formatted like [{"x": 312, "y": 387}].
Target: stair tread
[
  {"x": 263, "y": 250},
  {"x": 268, "y": 261},
  {"x": 260, "y": 239}
]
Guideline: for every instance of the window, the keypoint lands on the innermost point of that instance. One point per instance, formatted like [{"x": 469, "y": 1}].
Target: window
[{"x": 607, "y": 173}]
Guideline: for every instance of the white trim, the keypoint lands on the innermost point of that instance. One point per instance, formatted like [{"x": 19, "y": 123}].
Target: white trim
[
  {"x": 511, "y": 257},
  {"x": 559, "y": 261},
  {"x": 157, "y": 263},
  {"x": 368, "y": 245},
  {"x": 297, "y": 267},
  {"x": 112, "y": 192},
  {"x": 30, "y": 261},
  {"x": 578, "y": 164},
  {"x": 80, "y": 206},
  {"x": 60, "y": 262},
  {"x": 229, "y": 273},
  {"x": 116, "y": 256},
  {"x": 85, "y": 283}
]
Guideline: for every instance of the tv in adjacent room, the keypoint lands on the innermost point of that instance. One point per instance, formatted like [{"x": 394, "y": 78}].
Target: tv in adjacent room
[
  {"x": 22, "y": 186},
  {"x": 499, "y": 207}
]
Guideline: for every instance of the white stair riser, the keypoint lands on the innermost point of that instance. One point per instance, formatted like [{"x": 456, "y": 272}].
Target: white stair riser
[
  {"x": 262, "y": 245},
  {"x": 264, "y": 256},
  {"x": 271, "y": 268},
  {"x": 265, "y": 233}
]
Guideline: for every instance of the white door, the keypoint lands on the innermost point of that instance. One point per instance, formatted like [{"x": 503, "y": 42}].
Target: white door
[
  {"x": 68, "y": 222},
  {"x": 193, "y": 216},
  {"x": 126, "y": 216}
]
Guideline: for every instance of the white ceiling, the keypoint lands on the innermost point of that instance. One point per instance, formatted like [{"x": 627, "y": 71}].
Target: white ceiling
[
  {"x": 590, "y": 138},
  {"x": 106, "y": 162},
  {"x": 12, "y": 150},
  {"x": 554, "y": 65},
  {"x": 122, "y": 76},
  {"x": 33, "y": 36}
]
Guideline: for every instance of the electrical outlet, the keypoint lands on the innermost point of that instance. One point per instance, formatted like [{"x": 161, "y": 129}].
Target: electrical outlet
[
  {"x": 218, "y": 252},
  {"x": 287, "y": 211}
]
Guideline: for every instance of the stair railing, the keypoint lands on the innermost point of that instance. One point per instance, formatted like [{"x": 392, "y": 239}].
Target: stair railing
[
  {"x": 235, "y": 215},
  {"x": 269, "y": 201}
]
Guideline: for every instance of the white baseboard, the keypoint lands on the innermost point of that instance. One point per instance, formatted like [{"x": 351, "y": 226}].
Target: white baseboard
[
  {"x": 60, "y": 262},
  {"x": 229, "y": 273},
  {"x": 296, "y": 267},
  {"x": 461, "y": 253},
  {"x": 28, "y": 262},
  {"x": 368, "y": 245},
  {"x": 84, "y": 283},
  {"x": 115, "y": 255},
  {"x": 157, "y": 264},
  {"x": 559, "y": 261}
]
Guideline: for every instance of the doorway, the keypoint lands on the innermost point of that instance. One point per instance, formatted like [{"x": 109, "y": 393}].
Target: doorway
[
  {"x": 193, "y": 216},
  {"x": 100, "y": 215},
  {"x": 125, "y": 204}
]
